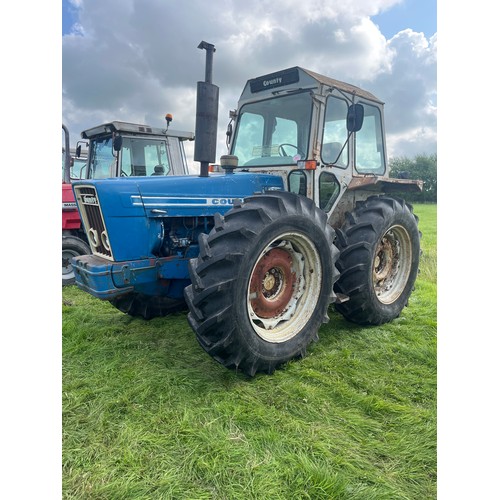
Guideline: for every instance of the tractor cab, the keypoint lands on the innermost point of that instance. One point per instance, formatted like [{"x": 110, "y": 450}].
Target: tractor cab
[
  {"x": 119, "y": 149},
  {"x": 321, "y": 135},
  {"x": 78, "y": 163}
]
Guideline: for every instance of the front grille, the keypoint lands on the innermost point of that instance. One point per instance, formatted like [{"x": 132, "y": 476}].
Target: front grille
[{"x": 90, "y": 209}]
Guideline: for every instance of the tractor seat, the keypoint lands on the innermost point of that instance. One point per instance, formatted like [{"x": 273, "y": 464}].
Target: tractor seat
[
  {"x": 138, "y": 170},
  {"x": 159, "y": 170}
]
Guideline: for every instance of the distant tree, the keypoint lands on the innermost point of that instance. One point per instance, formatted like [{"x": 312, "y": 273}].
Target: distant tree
[{"x": 423, "y": 167}]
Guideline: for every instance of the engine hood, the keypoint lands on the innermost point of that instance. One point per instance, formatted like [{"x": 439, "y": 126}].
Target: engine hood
[{"x": 178, "y": 196}]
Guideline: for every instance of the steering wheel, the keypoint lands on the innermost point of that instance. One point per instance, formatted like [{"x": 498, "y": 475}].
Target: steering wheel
[{"x": 282, "y": 151}]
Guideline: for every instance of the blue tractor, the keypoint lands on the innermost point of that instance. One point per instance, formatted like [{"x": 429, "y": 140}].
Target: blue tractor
[{"x": 305, "y": 216}]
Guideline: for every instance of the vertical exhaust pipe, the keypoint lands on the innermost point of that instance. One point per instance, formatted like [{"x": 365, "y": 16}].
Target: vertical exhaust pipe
[
  {"x": 207, "y": 111},
  {"x": 67, "y": 156}
]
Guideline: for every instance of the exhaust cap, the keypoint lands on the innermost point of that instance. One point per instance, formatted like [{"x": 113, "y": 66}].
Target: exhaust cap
[{"x": 229, "y": 163}]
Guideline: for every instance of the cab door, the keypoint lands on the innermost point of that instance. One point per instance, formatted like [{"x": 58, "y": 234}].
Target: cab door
[{"x": 333, "y": 174}]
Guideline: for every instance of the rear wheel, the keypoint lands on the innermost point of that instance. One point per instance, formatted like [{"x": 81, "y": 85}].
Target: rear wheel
[
  {"x": 379, "y": 256},
  {"x": 263, "y": 282},
  {"x": 72, "y": 246}
]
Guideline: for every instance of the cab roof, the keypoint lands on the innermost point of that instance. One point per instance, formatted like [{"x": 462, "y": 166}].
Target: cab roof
[
  {"x": 295, "y": 78},
  {"x": 134, "y": 128}
]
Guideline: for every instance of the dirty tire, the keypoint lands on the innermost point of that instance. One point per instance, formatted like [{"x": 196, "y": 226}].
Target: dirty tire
[
  {"x": 262, "y": 283},
  {"x": 72, "y": 246},
  {"x": 379, "y": 257},
  {"x": 147, "y": 306}
]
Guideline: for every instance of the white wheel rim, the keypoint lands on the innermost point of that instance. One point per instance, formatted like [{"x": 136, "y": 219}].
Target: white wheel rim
[
  {"x": 284, "y": 287},
  {"x": 392, "y": 264}
]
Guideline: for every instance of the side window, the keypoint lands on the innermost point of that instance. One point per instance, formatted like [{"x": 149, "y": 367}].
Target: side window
[
  {"x": 329, "y": 189},
  {"x": 335, "y": 133},
  {"x": 126, "y": 162},
  {"x": 370, "y": 158},
  {"x": 297, "y": 182}
]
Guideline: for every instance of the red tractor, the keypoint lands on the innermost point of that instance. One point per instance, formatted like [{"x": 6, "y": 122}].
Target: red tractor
[
  {"x": 74, "y": 239},
  {"x": 143, "y": 151}
]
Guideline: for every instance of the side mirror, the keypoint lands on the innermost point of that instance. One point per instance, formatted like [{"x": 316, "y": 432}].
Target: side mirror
[
  {"x": 78, "y": 151},
  {"x": 355, "y": 116},
  {"x": 117, "y": 142}
]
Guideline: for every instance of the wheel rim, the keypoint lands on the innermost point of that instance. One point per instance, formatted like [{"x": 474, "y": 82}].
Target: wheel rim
[
  {"x": 67, "y": 268},
  {"x": 392, "y": 264},
  {"x": 284, "y": 287}
]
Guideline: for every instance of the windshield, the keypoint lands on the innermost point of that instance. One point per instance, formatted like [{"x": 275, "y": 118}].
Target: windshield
[
  {"x": 142, "y": 156},
  {"x": 274, "y": 131},
  {"x": 139, "y": 156}
]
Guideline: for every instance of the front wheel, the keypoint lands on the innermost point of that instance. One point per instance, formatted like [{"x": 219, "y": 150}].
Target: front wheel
[
  {"x": 263, "y": 282},
  {"x": 379, "y": 257}
]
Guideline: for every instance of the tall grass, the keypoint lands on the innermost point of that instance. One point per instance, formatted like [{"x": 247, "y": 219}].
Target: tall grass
[
  {"x": 148, "y": 414},
  {"x": 428, "y": 226}
]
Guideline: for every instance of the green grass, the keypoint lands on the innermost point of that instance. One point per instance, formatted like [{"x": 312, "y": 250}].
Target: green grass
[{"x": 148, "y": 414}]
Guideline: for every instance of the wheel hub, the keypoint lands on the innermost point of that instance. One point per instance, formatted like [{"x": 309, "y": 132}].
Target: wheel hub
[
  {"x": 272, "y": 283},
  {"x": 384, "y": 259}
]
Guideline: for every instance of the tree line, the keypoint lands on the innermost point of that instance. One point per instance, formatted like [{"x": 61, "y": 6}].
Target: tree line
[{"x": 423, "y": 167}]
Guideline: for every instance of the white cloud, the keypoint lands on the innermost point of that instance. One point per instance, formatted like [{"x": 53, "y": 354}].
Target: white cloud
[
  {"x": 135, "y": 61},
  {"x": 410, "y": 94}
]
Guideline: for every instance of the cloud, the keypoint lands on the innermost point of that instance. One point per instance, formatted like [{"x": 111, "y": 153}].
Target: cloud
[
  {"x": 135, "y": 61},
  {"x": 410, "y": 93}
]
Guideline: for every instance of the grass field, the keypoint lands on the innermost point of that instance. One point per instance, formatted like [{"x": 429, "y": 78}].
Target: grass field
[{"x": 148, "y": 414}]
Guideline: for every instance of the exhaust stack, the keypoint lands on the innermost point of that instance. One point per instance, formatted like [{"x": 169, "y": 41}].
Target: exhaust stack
[
  {"x": 207, "y": 111},
  {"x": 67, "y": 156}
]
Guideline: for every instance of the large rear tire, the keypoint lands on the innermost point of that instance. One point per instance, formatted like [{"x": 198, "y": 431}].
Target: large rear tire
[
  {"x": 379, "y": 257},
  {"x": 262, "y": 283},
  {"x": 72, "y": 246}
]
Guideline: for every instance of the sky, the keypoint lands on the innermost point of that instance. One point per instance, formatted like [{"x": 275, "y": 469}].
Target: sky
[{"x": 136, "y": 61}]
